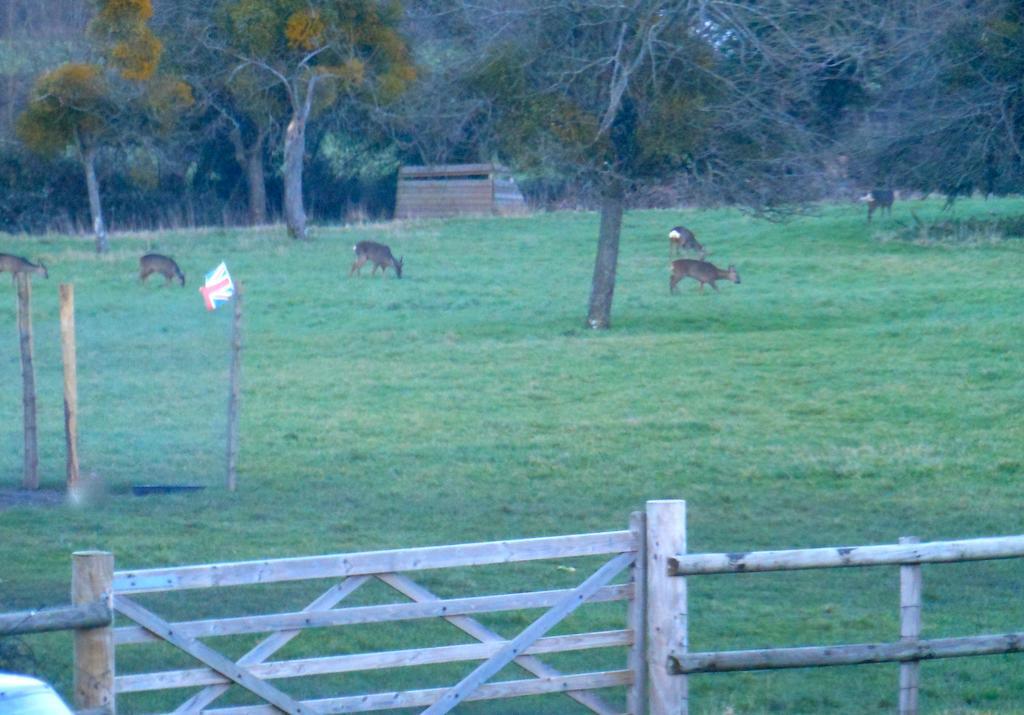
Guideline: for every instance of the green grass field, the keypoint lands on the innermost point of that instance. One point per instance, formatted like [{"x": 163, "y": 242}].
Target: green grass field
[{"x": 851, "y": 390}]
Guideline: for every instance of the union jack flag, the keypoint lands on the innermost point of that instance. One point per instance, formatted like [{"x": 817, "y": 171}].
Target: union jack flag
[{"x": 218, "y": 288}]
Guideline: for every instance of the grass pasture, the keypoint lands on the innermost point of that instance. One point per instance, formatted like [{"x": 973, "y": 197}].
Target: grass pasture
[{"x": 851, "y": 390}]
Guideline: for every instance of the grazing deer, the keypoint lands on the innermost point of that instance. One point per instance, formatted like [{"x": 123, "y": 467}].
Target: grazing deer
[
  {"x": 681, "y": 238},
  {"x": 164, "y": 265},
  {"x": 878, "y": 199},
  {"x": 379, "y": 254},
  {"x": 17, "y": 264},
  {"x": 700, "y": 271}
]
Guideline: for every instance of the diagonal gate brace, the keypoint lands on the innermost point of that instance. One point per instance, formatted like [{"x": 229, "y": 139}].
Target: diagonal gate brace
[
  {"x": 535, "y": 630},
  {"x": 531, "y": 663},
  {"x": 267, "y": 647},
  {"x": 208, "y": 656}
]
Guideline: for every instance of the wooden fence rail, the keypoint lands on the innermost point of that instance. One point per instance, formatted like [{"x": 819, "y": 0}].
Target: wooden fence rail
[
  {"x": 302, "y": 667},
  {"x": 62, "y": 618},
  {"x": 855, "y": 654},
  {"x": 362, "y": 615},
  {"x": 999, "y": 547},
  {"x": 371, "y": 562}
]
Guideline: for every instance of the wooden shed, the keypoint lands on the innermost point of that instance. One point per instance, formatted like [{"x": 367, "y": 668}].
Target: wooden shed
[{"x": 453, "y": 189}]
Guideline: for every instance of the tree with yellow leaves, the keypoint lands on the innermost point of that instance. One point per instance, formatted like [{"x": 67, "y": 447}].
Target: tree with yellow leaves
[
  {"x": 315, "y": 50},
  {"x": 71, "y": 105},
  {"x": 79, "y": 105}
]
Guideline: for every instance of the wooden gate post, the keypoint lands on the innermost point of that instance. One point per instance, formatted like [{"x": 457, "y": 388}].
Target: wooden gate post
[
  {"x": 28, "y": 381},
  {"x": 92, "y": 578},
  {"x": 666, "y": 607},
  {"x": 910, "y": 629},
  {"x": 67, "y": 350}
]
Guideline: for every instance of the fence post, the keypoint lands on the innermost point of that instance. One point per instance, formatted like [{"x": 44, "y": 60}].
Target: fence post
[
  {"x": 636, "y": 696},
  {"x": 67, "y": 349},
  {"x": 666, "y": 607},
  {"x": 92, "y": 578},
  {"x": 234, "y": 391},
  {"x": 910, "y": 629},
  {"x": 28, "y": 380}
]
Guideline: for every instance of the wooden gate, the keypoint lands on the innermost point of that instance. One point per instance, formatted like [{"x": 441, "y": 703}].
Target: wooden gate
[
  {"x": 656, "y": 622},
  {"x": 255, "y": 673}
]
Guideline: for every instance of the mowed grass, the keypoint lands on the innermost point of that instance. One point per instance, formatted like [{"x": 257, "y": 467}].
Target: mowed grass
[{"x": 851, "y": 390}]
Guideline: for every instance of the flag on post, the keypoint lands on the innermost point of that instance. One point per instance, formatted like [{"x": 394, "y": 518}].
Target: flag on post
[{"x": 218, "y": 287}]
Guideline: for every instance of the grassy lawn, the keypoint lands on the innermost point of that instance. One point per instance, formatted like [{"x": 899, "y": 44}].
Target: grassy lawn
[{"x": 851, "y": 390}]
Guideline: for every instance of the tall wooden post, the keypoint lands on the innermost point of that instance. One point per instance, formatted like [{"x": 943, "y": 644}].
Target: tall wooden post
[
  {"x": 28, "y": 381},
  {"x": 636, "y": 696},
  {"x": 92, "y": 578},
  {"x": 234, "y": 390},
  {"x": 910, "y": 629},
  {"x": 667, "y": 615},
  {"x": 67, "y": 350}
]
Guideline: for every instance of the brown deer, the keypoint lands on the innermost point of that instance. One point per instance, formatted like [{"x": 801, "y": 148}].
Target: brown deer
[
  {"x": 379, "y": 254},
  {"x": 164, "y": 265},
  {"x": 17, "y": 264},
  {"x": 878, "y": 199},
  {"x": 681, "y": 238},
  {"x": 700, "y": 271}
]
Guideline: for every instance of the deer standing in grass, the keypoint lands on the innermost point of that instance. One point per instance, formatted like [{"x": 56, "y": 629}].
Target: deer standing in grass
[
  {"x": 379, "y": 254},
  {"x": 681, "y": 238},
  {"x": 17, "y": 264},
  {"x": 164, "y": 265},
  {"x": 878, "y": 199},
  {"x": 701, "y": 271}
]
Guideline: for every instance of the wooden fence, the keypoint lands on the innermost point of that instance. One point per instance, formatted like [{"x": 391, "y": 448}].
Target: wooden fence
[
  {"x": 657, "y": 660},
  {"x": 909, "y": 555}
]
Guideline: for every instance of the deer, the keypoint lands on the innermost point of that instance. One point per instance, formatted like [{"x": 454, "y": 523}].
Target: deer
[
  {"x": 164, "y": 265},
  {"x": 681, "y": 238},
  {"x": 701, "y": 271},
  {"x": 379, "y": 254},
  {"x": 878, "y": 199},
  {"x": 17, "y": 264}
]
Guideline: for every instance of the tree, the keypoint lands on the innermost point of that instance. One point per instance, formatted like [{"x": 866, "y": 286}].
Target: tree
[
  {"x": 630, "y": 91},
  {"x": 72, "y": 105},
  {"x": 606, "y": 89},
  {"x": 949, "y": 112},
  {"x": 441, "y": 115},
  {"x": 249, "y": 109},
  {"x": 82, "y": 104},
  {"x": 315, "y": 50},
  {"x": 236, "y": 105}
]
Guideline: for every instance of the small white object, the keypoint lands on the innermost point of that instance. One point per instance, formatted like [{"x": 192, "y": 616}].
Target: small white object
[{"x": 22, "y": 695}]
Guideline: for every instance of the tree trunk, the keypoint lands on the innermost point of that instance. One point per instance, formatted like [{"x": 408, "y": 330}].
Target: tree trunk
[
  {"x": 250, "y": 159},
  {"x": 603, "y": 283},
  {"x": 257, "y": 184},
  {"x": 95, "y": 207},
  {"x": 11, "y": 79},
  {"x": 12, "y": 89},
  {"x": 294, "y": 151}
]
